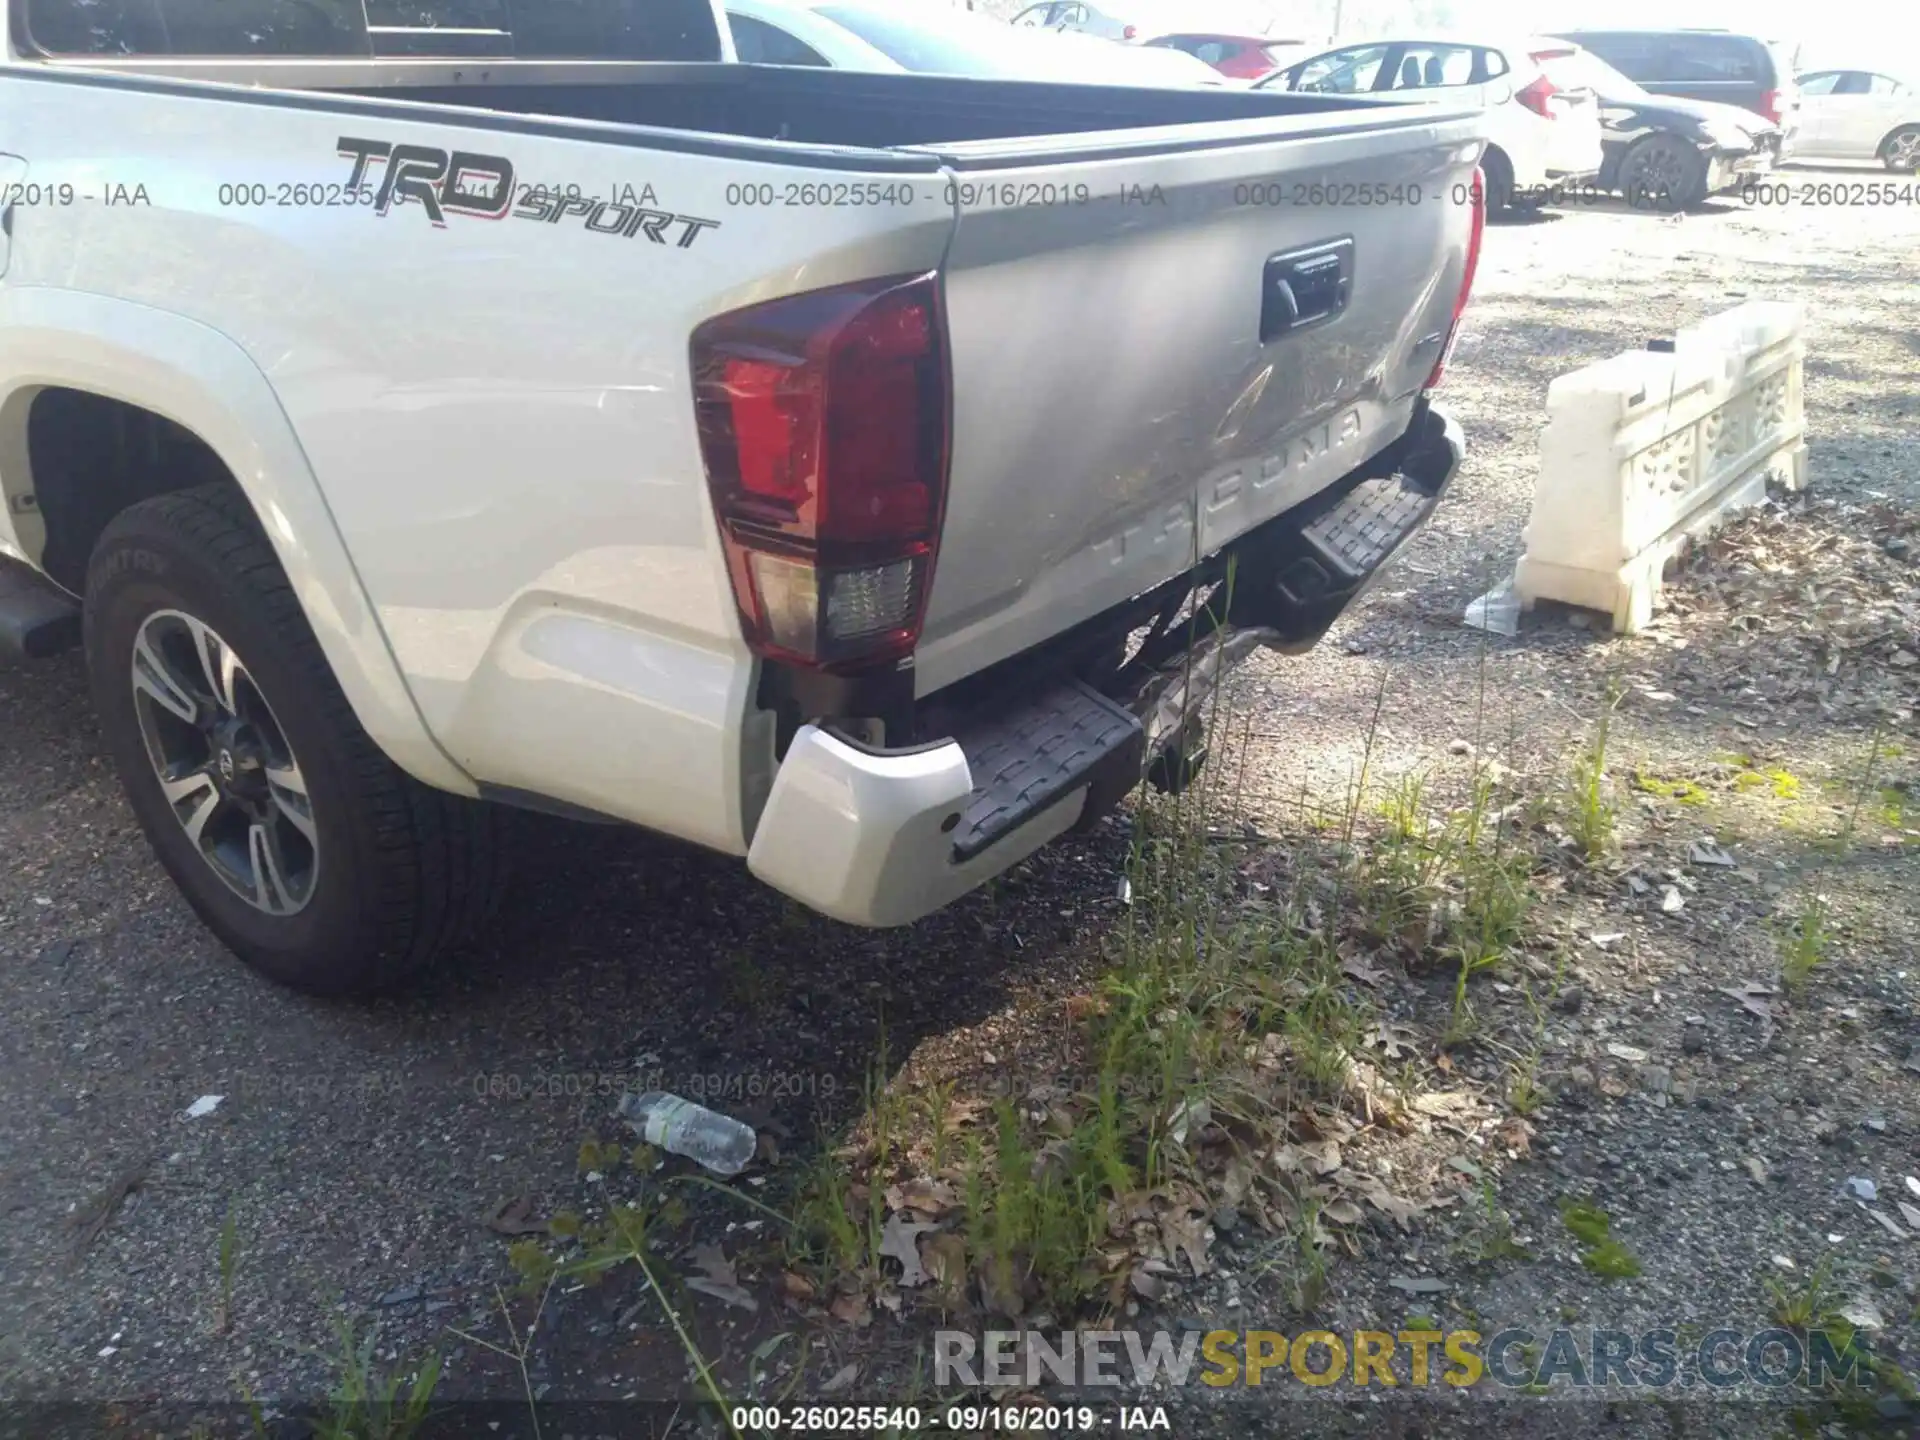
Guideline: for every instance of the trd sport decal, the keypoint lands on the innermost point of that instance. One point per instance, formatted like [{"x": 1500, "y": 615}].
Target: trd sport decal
[{"x": 458, "y": 182}]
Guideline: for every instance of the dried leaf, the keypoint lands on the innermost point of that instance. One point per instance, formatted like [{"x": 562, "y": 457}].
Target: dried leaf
[
  {"x": 797, "y": 1286},
  {"x": 1392, "y": 1204},
  {"x": 1318, "y": 1157},
  {"x": 1187, "y": 1234},
  {"x": 929, "y": 1197},
  {"x": 717, "y": 1278},
  {"x": 515, "y": 1217},
  {"x": 1756, "y": 999},
  {"x": 851, "y": 1310},
  {"x": 1517, "y": 1136},
  {"x": 900, "y": 1239},
  {"x": 1344, "y": 1212},
  {"x": 1396, "y": 1040},
  {"x": 945, "y": 1257},
  {"x": 1356, "y": 967}
]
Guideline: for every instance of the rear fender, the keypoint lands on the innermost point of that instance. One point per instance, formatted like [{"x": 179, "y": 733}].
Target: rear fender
[{"x": 200, "y": 379}]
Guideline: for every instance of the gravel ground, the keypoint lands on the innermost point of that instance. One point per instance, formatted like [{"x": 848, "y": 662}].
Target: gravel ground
[{"x": 358, "y": 1151}]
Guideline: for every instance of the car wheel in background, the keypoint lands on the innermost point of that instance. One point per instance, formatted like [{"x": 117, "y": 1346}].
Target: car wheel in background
[
  {"x": 1498, "y": 172},
  {"x": 308, "y": 852},
  {"x": 1900, "y": 151},
  {"x": 1663, "y": 173}
]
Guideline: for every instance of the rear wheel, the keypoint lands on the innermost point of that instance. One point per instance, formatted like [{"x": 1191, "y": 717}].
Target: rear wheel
[
  {"x": 1662, "y": 173},
  {"x": 1498, "y": 173},
  {"x": 1900, "y": 151},
  {"x": 314, "y": 858}
]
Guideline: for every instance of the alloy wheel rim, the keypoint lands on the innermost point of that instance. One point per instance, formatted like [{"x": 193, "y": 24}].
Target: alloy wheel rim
[
  {"x": 1905, "y": 150},
  {"x": 1659, "y": 170},
  {"x": 225, "y": 768}
]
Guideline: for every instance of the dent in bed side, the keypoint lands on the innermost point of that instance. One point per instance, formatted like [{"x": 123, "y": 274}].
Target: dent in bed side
[{"x": 196, "y": 377}]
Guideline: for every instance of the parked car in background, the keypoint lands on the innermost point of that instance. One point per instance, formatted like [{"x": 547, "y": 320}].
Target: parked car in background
[
  {"x": 1239, "y": 57},
  {"x": 1663, "y": 153},
  {"x": 891, "y": 37},
  {"x": 1079, "y": 16},
  {"x": 1714, "y": 65},
  {"x": 1543, "y": 135},
  {"x": 1859, "y": 115}
]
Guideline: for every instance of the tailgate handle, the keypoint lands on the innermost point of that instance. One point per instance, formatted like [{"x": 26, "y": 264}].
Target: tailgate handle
[{"x": 1305, "y": 287}]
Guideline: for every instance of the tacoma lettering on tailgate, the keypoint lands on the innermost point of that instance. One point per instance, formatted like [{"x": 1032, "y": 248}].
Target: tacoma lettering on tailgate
[{"x": 459, "y": 182}]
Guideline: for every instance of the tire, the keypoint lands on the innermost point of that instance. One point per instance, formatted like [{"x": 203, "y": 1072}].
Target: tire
[
  {"x": 1900, "y": 151},
  {"x": 1662, "y": 173},
  {"x": 1498, "y": 173},
  {"x": 344, "y": 876}
]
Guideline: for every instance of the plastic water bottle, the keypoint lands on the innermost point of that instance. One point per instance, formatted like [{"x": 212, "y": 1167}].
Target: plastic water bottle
[{"x": 718, "y": 1142}]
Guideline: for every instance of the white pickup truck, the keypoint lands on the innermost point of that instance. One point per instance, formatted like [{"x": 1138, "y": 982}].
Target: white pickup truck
[{"x": 422, "y": 408}]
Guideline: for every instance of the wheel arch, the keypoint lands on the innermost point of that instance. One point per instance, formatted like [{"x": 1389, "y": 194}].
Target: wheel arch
[
  {"x": 1886, "y": 140},
  {"x": 204, "y": 391}
]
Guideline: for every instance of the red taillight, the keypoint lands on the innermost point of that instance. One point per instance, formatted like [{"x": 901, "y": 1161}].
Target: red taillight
[
  {"x": 823, "y": 424},
  {"x": 1771, "y": 107},
  {"x": 1534, "y": 96},
  {"x": 1476, "y": 228}
]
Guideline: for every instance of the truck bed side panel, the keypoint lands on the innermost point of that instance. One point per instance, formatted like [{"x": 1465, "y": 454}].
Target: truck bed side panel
[{"x": 499, "y": 411}]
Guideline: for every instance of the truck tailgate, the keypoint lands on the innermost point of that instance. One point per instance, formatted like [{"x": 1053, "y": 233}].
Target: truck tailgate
[{"x": 1118, "y": 410}]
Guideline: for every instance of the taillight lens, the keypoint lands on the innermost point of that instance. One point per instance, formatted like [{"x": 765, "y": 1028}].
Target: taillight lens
[
  {"x": 823, "y": 424},
  {"x": 1534, "y": 96},
  {"x": 1477, "y": 227},
  {"x": 1128, "y": 33},
  {"x": 1771, "y": 107}
]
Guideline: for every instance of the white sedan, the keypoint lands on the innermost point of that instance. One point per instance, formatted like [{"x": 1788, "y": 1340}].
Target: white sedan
[
  {"x": 865, "y": 35},
  {"x": 1858, "y": 115},
  {"x": 1543, "y": 123}
]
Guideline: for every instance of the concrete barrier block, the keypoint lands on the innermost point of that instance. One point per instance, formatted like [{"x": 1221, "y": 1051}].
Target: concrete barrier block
[{"x": 1649, "y": 449}]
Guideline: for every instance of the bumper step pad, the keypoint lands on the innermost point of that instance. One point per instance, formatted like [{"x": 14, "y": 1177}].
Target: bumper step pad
[
  {"x": 1337, "y": 552},
  {"x": 1026, "y": 759},
  {"x": 1368, "y": 525}
]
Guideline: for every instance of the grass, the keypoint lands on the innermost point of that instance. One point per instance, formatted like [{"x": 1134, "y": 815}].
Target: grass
[
  {"x": 364, "y": 1403},
  {"x": 1491, "y": 1237},
  {"x": 1215, "y": 1021},
  {"x": 1805, "y": 937},
  {"x": 229, "y": 1262},
  {"x": 586, "y": 1252},
  {"x": 1590, "y": 808},
  {"x": 1220, "y": 1020},
  {"x": 1804, "y": 941},
  {"x": 1453, "y": 885},
  {"x": 1525, "y": 1095}
]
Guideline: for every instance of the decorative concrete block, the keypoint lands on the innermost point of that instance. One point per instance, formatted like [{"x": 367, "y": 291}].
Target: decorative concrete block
[{"x": 1644, "y": 451}]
